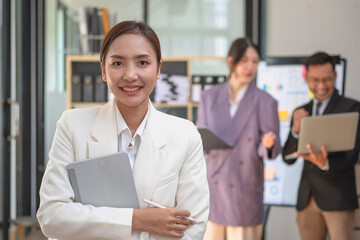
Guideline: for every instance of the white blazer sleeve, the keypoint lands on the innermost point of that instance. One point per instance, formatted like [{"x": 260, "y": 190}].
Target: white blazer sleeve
[
  {"x": 58, "y": 215},
  {"x": 193, "y": 189}
]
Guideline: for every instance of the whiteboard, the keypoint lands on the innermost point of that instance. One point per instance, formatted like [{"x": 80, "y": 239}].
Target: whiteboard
[{"x": 283, "y": 78}]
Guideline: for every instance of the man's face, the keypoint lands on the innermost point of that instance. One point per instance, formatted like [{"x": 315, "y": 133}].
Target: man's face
[{"x": 321, "y": 80}]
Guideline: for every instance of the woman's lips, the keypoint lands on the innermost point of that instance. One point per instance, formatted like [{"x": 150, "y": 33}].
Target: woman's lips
[{"x": 130, "y": 89}]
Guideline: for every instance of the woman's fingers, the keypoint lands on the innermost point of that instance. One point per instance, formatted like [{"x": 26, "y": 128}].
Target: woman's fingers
[{"x": 269, "y": 139}]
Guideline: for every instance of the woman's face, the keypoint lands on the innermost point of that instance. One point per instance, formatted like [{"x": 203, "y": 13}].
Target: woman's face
[
  {"x": 131, "y": 70},
  {"x": 245, "y": 70}
]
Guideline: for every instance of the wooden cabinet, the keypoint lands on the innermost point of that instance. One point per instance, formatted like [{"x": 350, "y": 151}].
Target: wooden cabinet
[{"x": 177, "y": 92}]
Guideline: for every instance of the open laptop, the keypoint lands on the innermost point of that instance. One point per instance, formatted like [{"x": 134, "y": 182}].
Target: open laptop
[
  {"x": 104, "y": 181},
  {"x": 336, "y": 132}
]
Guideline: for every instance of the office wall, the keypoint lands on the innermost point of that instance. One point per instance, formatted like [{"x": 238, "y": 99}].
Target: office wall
[{"x": 300, "y": 28}]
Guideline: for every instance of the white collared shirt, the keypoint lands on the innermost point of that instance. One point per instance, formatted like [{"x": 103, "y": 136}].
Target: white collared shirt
[
  {"x": 324, "y": 104},
  {"x": 127, "y": 143},
  {"x": 239, "y": 96}
]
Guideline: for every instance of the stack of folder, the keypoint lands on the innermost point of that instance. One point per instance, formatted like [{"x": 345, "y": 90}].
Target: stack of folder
[{"x": 87, "y": 84}]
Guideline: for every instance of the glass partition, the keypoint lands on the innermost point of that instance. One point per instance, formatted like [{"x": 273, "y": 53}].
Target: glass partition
[{"x": 197, "y": 28}]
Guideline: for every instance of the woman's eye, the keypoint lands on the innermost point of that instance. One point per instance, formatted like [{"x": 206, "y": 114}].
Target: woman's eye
[
  {"x": 142, "y": 63},
  {"x": 117, "y": 63}
]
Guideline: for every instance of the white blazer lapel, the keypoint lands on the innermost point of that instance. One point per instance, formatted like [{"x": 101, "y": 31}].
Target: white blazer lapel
[
  {"x": 105, "y": 139},
  {"x": 150, "y": 158}
]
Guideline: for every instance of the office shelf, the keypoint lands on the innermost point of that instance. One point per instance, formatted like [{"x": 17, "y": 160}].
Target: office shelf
[{"x": 176, "y": 93}]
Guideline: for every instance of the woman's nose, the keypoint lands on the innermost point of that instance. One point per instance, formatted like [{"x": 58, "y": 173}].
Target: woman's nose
[{"x": 130, "y": 73}]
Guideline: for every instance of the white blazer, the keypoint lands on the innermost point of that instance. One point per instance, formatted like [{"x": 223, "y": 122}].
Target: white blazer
[{"x": 169, "y": 169}]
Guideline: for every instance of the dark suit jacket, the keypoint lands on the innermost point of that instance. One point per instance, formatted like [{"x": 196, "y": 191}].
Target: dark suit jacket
[{"x": 334, "y": 189}]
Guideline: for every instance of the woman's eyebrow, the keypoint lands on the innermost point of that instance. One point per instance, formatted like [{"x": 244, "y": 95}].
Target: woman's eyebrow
[
  {"x": 117, "y": 56},
  {"x": 136, "y": 57}
]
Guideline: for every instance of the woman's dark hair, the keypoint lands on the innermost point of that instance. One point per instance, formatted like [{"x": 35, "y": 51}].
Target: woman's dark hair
[
  {"x": 238, "y": 49},
  {"x": 319, "y": 58},
  {"x": 130, "y": 27}
]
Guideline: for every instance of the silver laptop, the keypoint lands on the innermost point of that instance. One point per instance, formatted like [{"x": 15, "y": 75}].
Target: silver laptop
[
  {"x": 336, "y": 132},
  {"x": 104, "y": 181}
]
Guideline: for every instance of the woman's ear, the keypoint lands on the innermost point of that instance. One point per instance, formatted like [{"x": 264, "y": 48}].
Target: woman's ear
[
  {"x": 158, "y": 70},
  {"x": 229, "y": 61},
  {"x": 103, "y": 73}
]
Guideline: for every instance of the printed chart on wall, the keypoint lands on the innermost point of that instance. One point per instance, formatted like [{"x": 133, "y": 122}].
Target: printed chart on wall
[{"x": 283, "y": 78}]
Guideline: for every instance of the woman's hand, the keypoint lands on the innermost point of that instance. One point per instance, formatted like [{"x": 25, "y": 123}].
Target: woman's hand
[
  {"x": 167, "y": 222},
  {"x": 269, "y": 139}
]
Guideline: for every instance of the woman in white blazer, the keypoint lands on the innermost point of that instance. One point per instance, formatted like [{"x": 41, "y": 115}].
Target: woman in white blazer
[{"x": 165, "y": 153}]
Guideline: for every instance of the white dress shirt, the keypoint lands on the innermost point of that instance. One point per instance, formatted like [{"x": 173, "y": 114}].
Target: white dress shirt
[
  {"x": 127, "y": 143},
  {"x": 239, "y": 95},
  {"x": 322, "y": 107}
]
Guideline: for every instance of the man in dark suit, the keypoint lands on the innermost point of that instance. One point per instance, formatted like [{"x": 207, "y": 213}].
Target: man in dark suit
[{"x": 327, "y": 194}]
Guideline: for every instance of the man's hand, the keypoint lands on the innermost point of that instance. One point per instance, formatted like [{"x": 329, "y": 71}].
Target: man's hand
[
  {"x": 269, "y": 139},
  {"x": 167, "y": 222},
  {"x": 317, "y": 158},
  {"x": 297, "y": 116}
]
